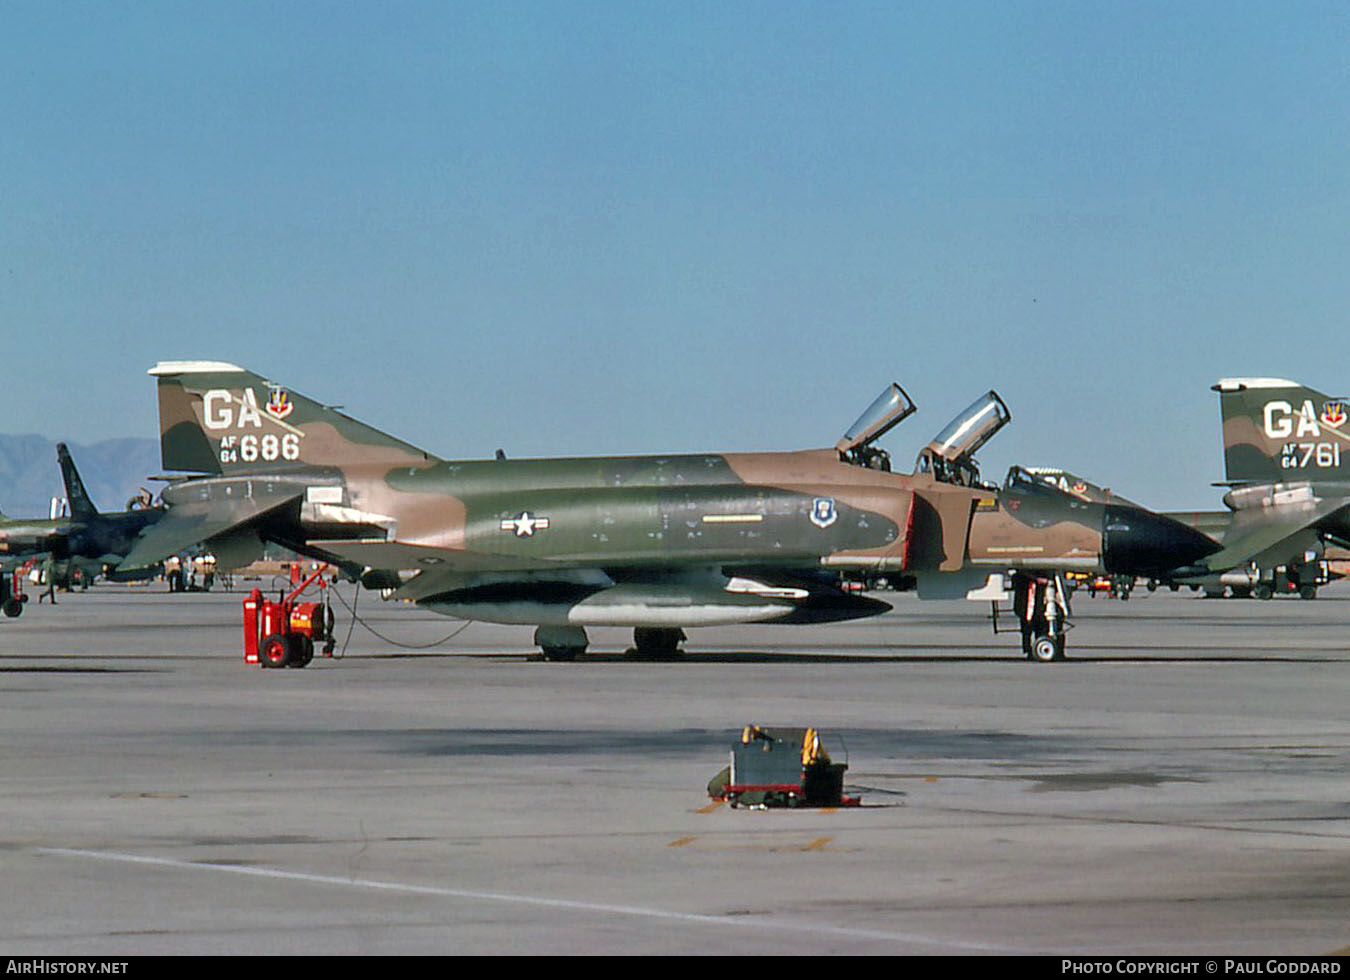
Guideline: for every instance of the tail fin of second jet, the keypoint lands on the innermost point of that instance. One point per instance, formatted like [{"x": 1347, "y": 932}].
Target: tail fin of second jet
[
  {"x": 81, "y": 506},
  {"x": 1277, "y": 431},
  {"x": 219, "y": 418}
]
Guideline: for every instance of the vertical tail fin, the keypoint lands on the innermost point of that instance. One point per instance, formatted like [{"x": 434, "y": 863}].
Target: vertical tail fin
[
  {"x": 1277, "y": 431},
  {"x": 218, "y": 418},
  {"x": 81, "y": 506}
]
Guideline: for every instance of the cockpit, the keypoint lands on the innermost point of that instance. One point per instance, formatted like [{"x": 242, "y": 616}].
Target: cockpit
[
  {"x": 950, "y": 457},
  {"x": 1065, "y": 482},
  {"x": 891, "y": 408},
  {"x": 1037, "y": 501}
]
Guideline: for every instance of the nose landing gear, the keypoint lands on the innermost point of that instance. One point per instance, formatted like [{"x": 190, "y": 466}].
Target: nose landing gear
[{"x": 1041, "y": 605}]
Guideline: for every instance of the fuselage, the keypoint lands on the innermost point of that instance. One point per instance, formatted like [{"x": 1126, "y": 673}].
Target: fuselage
[{"x": 666, "y": 540}]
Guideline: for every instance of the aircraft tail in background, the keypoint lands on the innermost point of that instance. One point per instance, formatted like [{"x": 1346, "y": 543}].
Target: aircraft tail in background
[{"x": 1277, "y": 431}]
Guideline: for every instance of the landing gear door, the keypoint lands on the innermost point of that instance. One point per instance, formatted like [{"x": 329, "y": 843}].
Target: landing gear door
[
  {"x": 891, "y": 408},
  {"x": 950, "y": 457}
]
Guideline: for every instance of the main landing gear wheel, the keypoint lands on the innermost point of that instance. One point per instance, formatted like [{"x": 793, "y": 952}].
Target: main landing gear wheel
[
  {"x": 656, "y": 643},
  {"x": 562, "y": 654},
  {"x": 561, "y": 644}
]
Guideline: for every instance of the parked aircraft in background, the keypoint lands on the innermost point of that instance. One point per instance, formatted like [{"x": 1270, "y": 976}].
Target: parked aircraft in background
[
  {"x": 1287, "y": 464},
  {"x": 86, "y": 539}
]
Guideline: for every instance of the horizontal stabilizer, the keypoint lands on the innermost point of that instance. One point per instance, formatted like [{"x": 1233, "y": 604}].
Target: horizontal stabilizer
[{"x": 192, "y": 523}]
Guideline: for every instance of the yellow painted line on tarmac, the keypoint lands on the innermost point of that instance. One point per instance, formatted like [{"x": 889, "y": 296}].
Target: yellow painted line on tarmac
[
  {"x": 681, "y": 841},
  {"x": 818, "y": 844},
  {"x": 711, "y": 806}
]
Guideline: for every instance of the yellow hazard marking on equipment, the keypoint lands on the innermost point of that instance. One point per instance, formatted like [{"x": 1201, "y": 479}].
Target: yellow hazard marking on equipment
[{"x": 732, "y": 518}]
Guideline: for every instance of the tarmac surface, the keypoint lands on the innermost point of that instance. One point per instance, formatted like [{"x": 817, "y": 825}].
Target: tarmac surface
[{"x": 1178, "y": 787}]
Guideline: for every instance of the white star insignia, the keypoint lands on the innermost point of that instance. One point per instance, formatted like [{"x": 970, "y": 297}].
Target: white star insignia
[{"x": 525, "y": 525}]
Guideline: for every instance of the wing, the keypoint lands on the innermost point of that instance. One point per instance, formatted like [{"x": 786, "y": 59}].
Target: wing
[
  {"x": 398, "y": 555},
  {"x": 189, "y": 524},
  {"x": 445, "y": 569},
  {"x": 1260, "y": 530}
]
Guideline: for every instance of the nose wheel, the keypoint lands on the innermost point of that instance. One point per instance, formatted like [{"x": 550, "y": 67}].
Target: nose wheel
[
  {"x": 1044, "y": 649},
  {"x": 1042, "y": 607}
]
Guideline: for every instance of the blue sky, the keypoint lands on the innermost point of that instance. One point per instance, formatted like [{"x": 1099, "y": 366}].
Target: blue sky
[{"x": 576, "y": 228}]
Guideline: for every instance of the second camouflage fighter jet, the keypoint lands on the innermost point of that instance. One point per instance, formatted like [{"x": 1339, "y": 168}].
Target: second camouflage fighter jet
[
  {"x": 1286, "y": 450},
  {"x": 656, "y": 543}
]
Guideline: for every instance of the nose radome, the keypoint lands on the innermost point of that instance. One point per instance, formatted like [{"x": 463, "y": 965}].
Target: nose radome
[{"x": 1139, "y": 542}]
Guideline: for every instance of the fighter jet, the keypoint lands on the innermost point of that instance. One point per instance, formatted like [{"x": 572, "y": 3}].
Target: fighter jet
[
  {"x": 656, "y": 543},
  {"x": 1287, "y": 462},
  {"x": 86, "y": 537}
]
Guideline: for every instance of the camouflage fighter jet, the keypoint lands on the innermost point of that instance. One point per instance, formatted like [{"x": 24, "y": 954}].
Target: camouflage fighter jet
[
  {"x": 1287, "y": 461},
  {"x": 656, "y": 543},
  {"x": 86, "y": 538}
]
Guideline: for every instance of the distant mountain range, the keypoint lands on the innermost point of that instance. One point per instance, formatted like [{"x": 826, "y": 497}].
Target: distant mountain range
[{"x": 113, "y": 471}]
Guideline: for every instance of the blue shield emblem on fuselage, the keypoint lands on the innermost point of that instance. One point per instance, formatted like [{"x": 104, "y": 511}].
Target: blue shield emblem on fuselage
[{"x": 823, "y": 512}]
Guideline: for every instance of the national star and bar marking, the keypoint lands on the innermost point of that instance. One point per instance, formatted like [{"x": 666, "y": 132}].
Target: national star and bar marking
[{"x": 525, "y": 524}]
